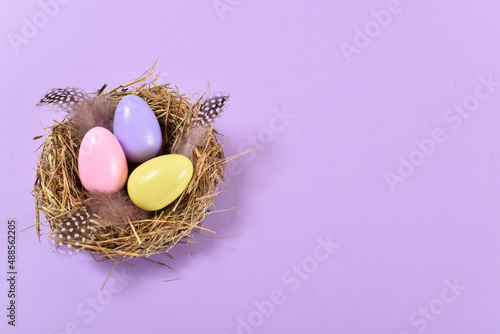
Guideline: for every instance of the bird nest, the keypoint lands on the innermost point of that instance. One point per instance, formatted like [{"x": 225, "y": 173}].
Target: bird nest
[{"x": 59, "y": 194}]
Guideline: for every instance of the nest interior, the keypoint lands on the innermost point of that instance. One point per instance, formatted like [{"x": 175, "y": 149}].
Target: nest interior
[{"x": 59, "y": 194}]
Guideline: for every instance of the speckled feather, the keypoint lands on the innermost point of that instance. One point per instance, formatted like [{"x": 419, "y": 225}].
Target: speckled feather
[
  {"x": 212, "y": 108},
  {"x": 75, "y": 231},
  {"x": 112, "y": 209},
  {"x": 63, "y": 98}
]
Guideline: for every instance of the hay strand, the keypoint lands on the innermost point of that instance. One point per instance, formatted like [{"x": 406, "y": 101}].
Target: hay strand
[{"x": 58, "y": 191}]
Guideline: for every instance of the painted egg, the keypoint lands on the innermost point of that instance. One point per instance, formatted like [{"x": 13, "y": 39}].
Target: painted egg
[
  {"x": 101, "y": 162},
  {"x": 159, "y": 181},
  {"x": 137, "y": 129}
]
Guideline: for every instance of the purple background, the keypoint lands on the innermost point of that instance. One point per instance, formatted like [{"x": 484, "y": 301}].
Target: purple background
[{"x": 320, "y": 173}]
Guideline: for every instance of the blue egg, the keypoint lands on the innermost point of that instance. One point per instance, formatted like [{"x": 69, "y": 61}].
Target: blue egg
[{"x": 137, "y": 129}]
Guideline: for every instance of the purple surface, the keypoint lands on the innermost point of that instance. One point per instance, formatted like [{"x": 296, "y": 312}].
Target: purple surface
[{"x": 370, "y": 207}]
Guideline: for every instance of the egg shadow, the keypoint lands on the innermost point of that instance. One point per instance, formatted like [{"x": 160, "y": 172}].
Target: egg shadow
[{"x": 222, "y": 221}]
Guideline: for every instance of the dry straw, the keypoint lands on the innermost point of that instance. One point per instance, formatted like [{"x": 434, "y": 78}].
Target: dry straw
[{"x": 58, "y": 191}]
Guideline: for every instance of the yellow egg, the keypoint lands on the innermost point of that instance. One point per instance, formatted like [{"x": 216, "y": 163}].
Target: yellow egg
[{"x": 158, "y": 182}]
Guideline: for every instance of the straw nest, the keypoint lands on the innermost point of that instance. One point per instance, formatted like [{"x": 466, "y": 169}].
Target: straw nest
[{"x": 59, "y": 194}]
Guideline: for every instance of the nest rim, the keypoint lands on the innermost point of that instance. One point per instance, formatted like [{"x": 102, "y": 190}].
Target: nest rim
[{"x": 58, "y": 191}]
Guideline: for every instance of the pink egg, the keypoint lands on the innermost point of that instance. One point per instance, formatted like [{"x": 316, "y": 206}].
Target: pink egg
[{"x": 101, "y": 162}]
